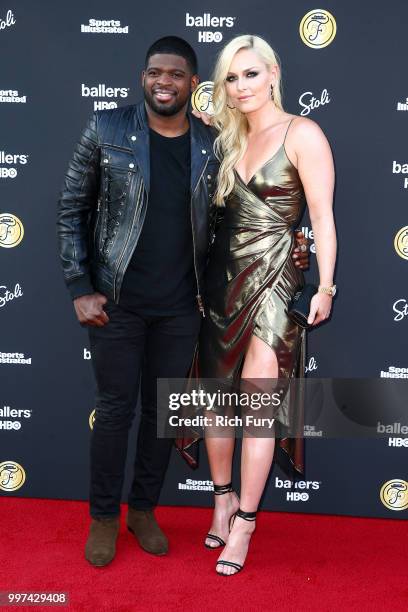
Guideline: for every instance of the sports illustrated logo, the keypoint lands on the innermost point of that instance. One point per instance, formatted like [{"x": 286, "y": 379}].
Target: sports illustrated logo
[
  {"x": 401, "y": 242},
  {"x": 102, "y": 91},
  {"x": 99, "y": 26},
  {"x": 394, "y": 372},
  {"x": 402, "y": 106},
  {"x": 8, "y": 296},
  {"x": 11, "y": 160},
  {"x": 308, "y": 102},
  {"x": 196, "y": 485},
  {"x": 8, "y": 21},
  {"x": 15, "y": 358},
  {"x": 311, "y": 365},
  {"x": 318, "y": 28},
  {"x": 12, "y": 96},
  {"x": 308, "y": 233},
  {"x": 208, "y": 21},
  {"x": 87, "y": 354},
  {"x": 394, "y": 494},
  {"x": 400, "y": 307},
  {"x": 311, "y": 431},
  {"x": 398, "y": 168},
  {"x": 91, "y": 419},
  {"x": 12, "y": 476},
  {"x": 201, "y": 98},
  {"x": 11, "y": 230},
  {"x": 313, "y": 485},
  {"x": 13, "y": 413}
]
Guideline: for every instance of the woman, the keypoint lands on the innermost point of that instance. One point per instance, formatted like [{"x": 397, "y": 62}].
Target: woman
[{"x": 270, "y": 161}]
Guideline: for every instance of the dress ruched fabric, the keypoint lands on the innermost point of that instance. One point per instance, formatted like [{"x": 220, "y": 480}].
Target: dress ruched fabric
[{"x": 250, "y": 279}]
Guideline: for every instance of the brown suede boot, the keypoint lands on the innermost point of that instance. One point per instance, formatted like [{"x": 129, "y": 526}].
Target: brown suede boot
[
  {"x": 143, "y": 525},
  {"x": 100, "y": 547}
]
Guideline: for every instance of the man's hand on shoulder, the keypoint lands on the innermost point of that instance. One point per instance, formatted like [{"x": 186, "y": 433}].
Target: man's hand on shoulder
[
  {"x": 89, "y": 310},
  {"x": 205, "y": 117}
]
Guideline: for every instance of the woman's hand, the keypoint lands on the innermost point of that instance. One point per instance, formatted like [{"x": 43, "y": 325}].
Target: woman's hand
[
  {"x": 320, "y": 307},
  {"x": 205, "y": 117}
]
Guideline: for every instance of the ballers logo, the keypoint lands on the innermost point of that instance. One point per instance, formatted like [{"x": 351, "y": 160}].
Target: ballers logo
[
  {"x": 91, "y": 419},
  {"x": 308, "y": 233},
  {"x": 398, "y": 168},
  {"x": 12, "y": 476},
  {"x": 10, "y": 162},
  {"x": 7, "y": 413},
  {"x": 201, "y": 98},
  {"x": 102, "y": 91},
  {"x": 11, "y": 230},
  {"x": 309, "y": 485},
  {"x": 394, "y": 494},
  {"x": 209, "y": 21},
  {"x": 402, "y": 106},
  {"x": 401, "y": 242},
  {"x": 318, "y": 28}
]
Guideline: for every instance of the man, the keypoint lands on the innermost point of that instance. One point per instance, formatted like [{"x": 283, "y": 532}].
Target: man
[{"x": 134, "y": 229}]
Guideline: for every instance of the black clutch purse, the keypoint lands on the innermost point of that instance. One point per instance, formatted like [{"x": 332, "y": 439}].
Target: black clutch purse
[{"x": 299, "y": 306}]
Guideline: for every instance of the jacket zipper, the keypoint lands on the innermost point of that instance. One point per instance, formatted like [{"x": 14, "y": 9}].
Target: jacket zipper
[
  {"x": 198, "y": 296},
  {"x": 128, "y": 239}
]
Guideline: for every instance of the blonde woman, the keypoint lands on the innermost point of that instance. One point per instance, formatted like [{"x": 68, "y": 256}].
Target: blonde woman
[{"x": 271, "y": 162}]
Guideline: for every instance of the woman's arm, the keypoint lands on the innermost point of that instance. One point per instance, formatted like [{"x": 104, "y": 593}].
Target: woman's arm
[{"x": 316, "y": 171}]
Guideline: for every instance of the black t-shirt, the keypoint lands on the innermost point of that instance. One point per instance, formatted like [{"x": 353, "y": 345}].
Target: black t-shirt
[{"x": 160, "y": 278}]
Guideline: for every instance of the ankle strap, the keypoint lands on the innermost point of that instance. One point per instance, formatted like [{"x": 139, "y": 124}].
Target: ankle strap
[
  {"x": 247, "y": 516},
  {"x": 221, "y": 489}
]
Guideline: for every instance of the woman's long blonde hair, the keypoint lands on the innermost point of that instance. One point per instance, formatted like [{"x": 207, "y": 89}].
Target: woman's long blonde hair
[{"x": 231, "y": 124}]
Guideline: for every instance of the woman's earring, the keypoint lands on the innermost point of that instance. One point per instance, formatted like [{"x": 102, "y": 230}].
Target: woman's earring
[
  {"x": 231, "y": 107},
  {"x": 272, "y": 96}
]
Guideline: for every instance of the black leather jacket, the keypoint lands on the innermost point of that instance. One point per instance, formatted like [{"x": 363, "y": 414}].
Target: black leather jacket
[{"x": 105, "y": 194}]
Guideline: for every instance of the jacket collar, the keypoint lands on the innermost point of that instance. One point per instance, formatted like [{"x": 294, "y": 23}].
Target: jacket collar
[
  {"x": 201, "y": 145},
  {"x": 138, "y": 140},
  {"x": 201, "y": 149}
]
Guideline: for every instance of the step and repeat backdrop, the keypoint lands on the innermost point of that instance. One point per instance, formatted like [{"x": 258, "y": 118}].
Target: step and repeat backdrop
[{"x": 344, "y": 66}]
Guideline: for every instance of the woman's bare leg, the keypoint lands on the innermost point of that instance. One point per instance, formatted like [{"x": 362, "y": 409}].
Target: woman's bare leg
[
  {"x": 220, "y": 452},
  {"x": 256, "y": 460}
]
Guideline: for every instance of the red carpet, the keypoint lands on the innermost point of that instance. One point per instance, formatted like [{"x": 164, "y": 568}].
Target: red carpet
[{"x": 296, "y": 562}]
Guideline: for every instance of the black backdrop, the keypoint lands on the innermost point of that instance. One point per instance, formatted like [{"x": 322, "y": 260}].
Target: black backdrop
[{"x": 48, "y": 67}]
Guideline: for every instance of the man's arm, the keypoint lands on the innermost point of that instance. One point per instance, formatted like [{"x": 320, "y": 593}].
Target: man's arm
[{"x": 78, "y": 198}]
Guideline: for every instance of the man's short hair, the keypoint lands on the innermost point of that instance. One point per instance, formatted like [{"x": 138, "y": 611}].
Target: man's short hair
[{"x": 174, "y": 46}]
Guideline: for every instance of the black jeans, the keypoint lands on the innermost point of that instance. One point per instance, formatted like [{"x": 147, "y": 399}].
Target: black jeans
[{"x": 133, "y": 348}]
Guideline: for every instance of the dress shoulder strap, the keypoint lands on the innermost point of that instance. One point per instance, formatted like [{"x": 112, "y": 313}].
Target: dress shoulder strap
[{"x": 287, "y": 129}]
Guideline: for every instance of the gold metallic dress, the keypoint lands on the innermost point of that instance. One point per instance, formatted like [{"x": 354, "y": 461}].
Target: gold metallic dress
[{"x": 249, "y": 281}]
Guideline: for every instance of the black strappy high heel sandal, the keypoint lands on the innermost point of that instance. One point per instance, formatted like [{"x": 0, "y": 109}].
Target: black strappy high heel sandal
[
  {"x": 220, "y": 490},
  {"x": 247, "y": 516}
]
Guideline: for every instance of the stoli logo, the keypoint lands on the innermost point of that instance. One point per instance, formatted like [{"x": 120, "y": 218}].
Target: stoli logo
[
  {"x": 9, "y": 296},
  {"x": 400, "y": 307},
  {"x": 309, "y": 102},
  {"x": 8, "y": 21}
]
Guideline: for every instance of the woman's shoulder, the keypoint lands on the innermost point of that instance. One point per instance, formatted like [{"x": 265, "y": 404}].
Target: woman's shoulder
[{"x": 303, "y": 129}]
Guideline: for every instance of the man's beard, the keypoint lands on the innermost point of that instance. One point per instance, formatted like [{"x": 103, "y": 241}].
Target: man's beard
[{"x": 164, "y": 109}]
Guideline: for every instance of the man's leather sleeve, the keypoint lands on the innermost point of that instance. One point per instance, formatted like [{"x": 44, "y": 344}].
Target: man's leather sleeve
[{"x": 78, "y": 199}]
